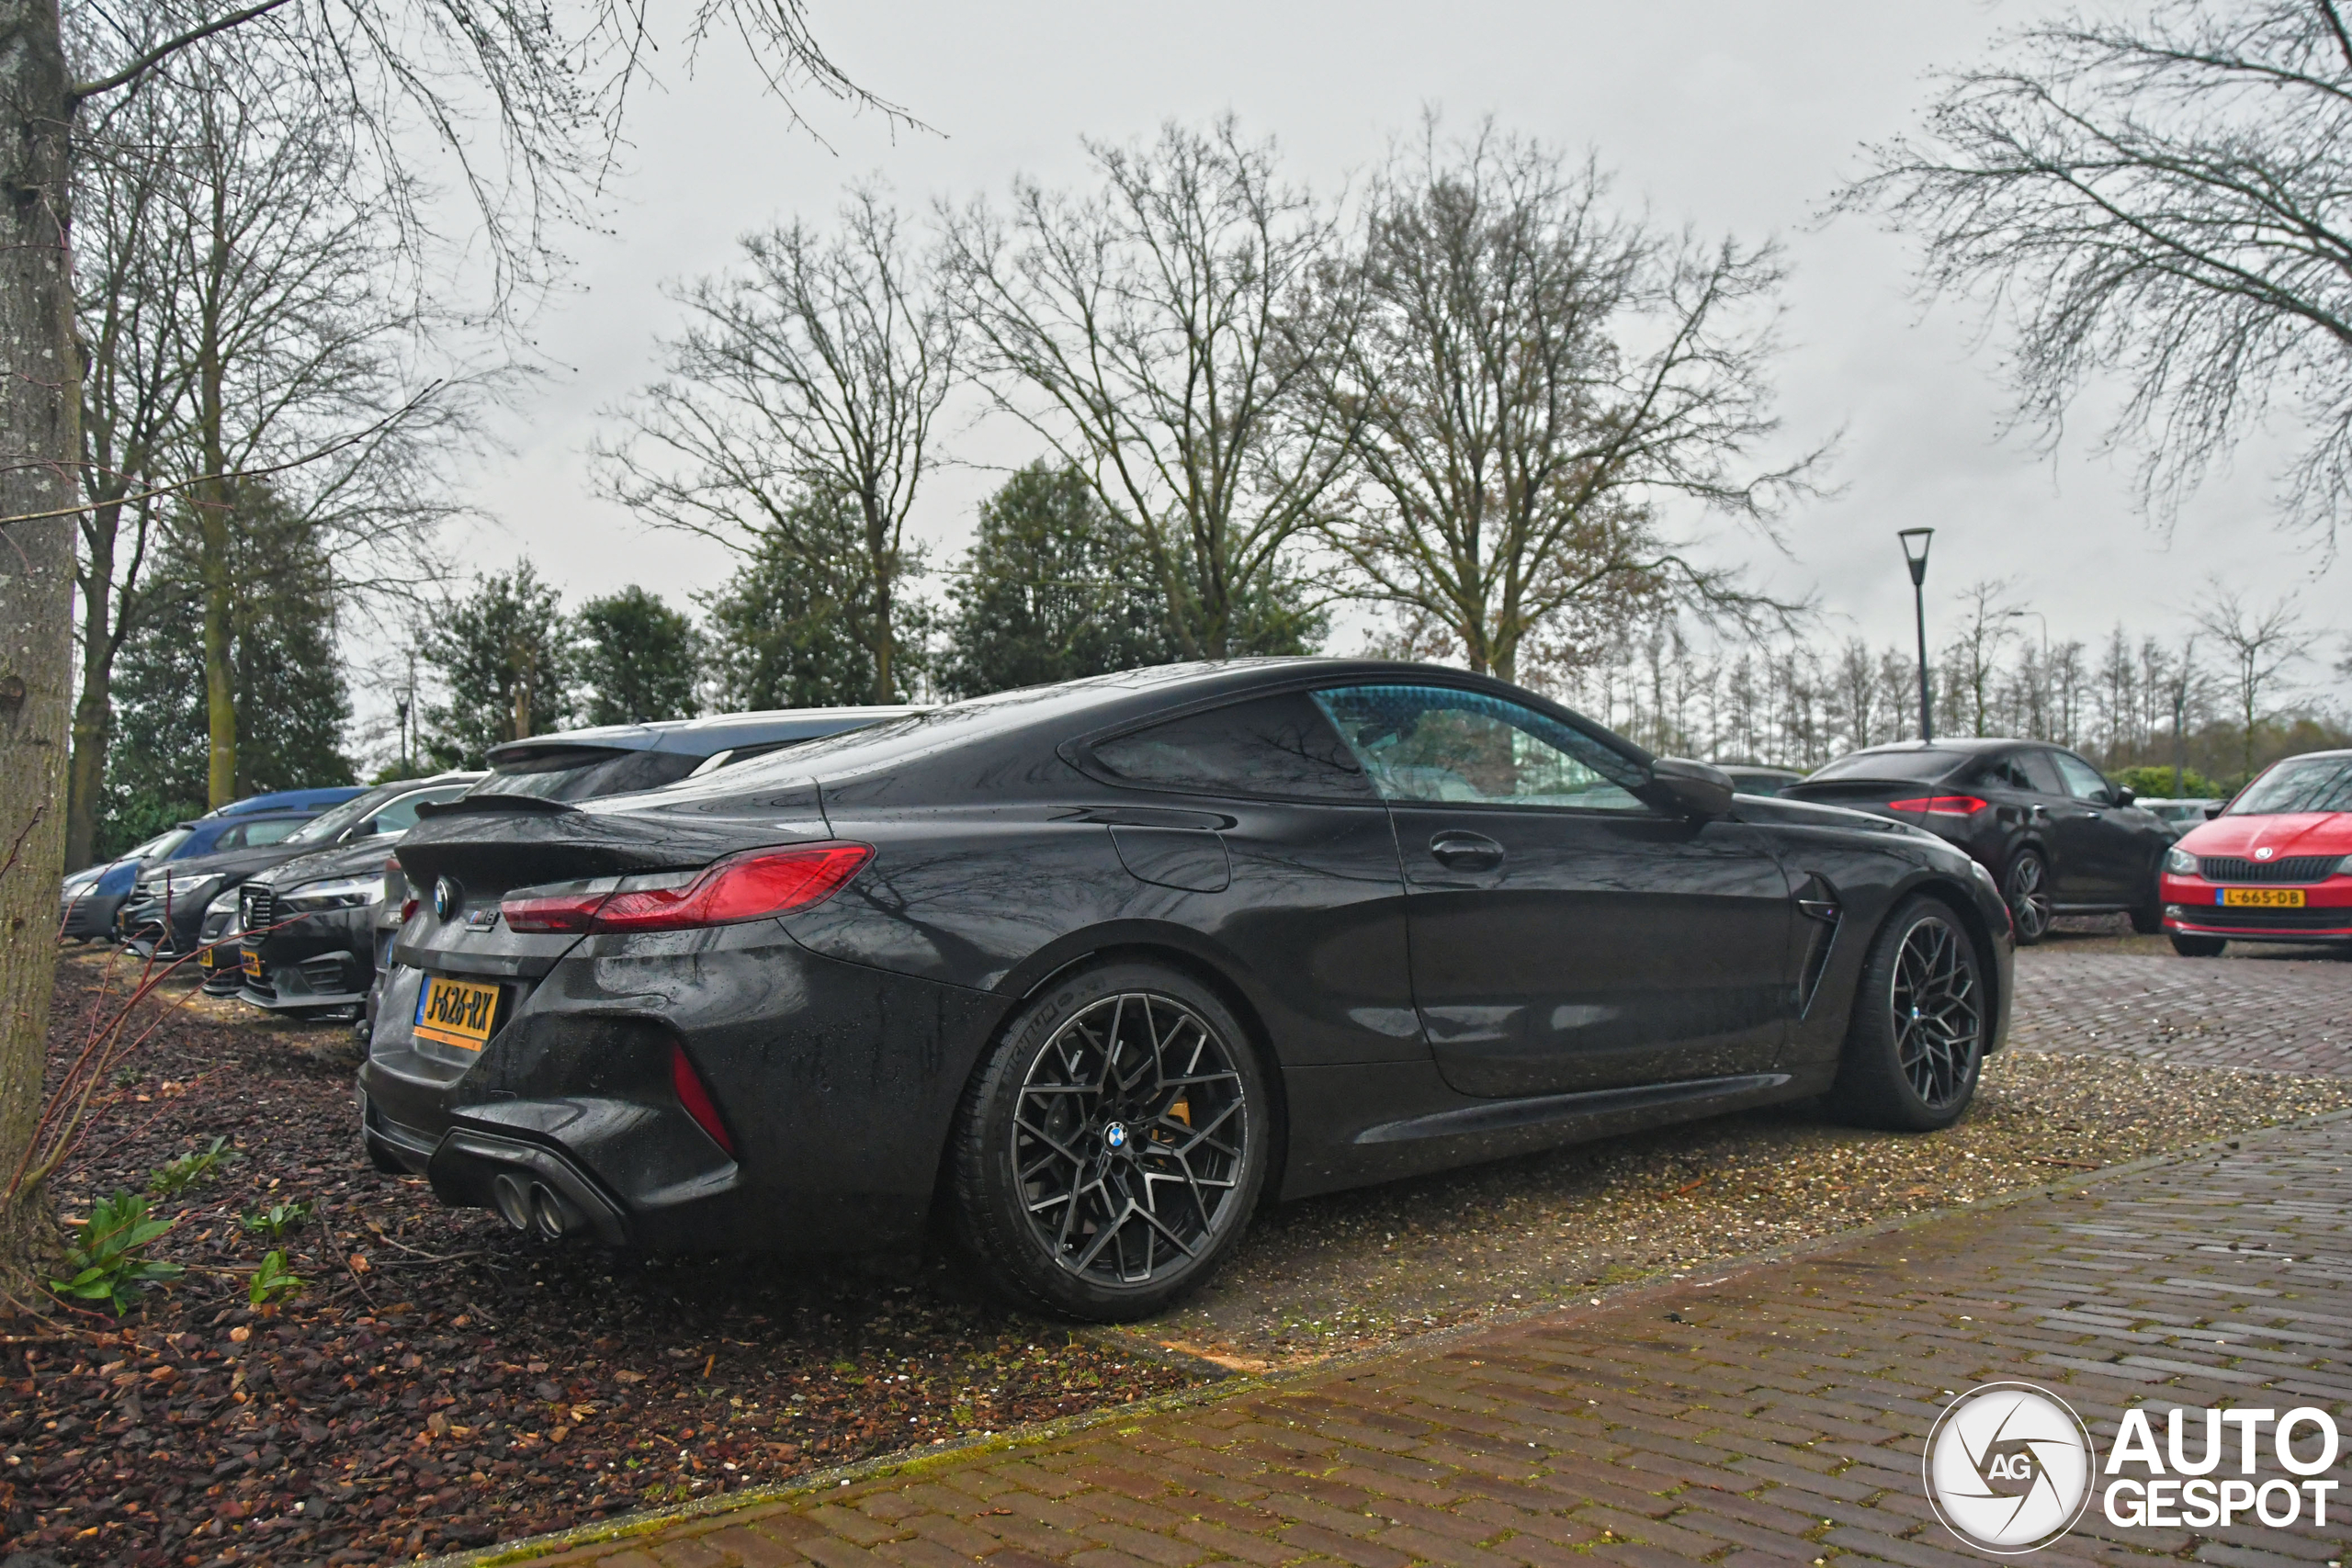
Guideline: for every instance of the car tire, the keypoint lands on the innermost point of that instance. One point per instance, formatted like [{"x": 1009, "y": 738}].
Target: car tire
[
  {"x": 1113, "y": 1080},
  {"x": 1914, "y": 1045},
  {"x": 2199, "y": 946},
  {"x": 2148, "y": 918},
  {"x": 2026, "y": 887}
]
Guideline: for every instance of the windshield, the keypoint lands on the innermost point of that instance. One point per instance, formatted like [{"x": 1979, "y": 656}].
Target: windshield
[
  {"x": 1908, "y": 765},
  {"x": 2300, "y": 783},
  {"x": 160, "y": 846},
  {"x": 586, "y": 773},
  {"x": 324, "y": 828}
]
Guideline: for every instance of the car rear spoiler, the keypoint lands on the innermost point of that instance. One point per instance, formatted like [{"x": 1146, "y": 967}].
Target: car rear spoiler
[{"x": 480, "y": 805}]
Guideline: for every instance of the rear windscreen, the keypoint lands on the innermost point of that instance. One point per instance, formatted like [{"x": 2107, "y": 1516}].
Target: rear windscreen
[
  {"x": 2301, "y": 784},
  {"x": 585, "y": 773},
  {"x": 1921, "y": 765}
]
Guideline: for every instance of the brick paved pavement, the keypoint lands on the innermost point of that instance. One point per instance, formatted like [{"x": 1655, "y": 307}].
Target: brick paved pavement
[
  {"x": 1777, "y": 1416},
  {"x": 2268, "y": 1011}
]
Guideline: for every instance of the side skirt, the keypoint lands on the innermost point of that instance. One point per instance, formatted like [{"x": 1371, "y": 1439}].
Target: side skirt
[{"x": 1346, "y": 1131}]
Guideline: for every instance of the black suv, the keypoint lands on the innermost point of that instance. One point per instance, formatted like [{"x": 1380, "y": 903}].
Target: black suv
[{"x": 2053, "y": 832}]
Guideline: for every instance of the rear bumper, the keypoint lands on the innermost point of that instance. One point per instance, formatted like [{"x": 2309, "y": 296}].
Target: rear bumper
[{"x": 835, "y": 1084}]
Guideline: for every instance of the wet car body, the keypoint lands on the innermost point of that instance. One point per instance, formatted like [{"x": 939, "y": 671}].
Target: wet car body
[
  {"x": 331, "y": 956},
  {"x": 92, "y": 899},
  {"x": 2276, "y": 865},
  {"x": 283, "y": 940},
  {"x": 789, "y": 1083},
  {"x": 2057, "y": 836}
]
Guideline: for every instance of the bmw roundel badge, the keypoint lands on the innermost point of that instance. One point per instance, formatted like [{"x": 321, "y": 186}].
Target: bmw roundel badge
[
  {"x": 1114, "y": 1136},
  {"x": 446, "y": 897}
]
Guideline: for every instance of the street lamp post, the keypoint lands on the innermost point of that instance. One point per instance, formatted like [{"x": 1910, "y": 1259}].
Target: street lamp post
[{"x": 1914, "y": 555}]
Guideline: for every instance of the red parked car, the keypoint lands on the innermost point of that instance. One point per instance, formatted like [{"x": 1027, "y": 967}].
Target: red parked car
[{"x": 2276, "y": 865}]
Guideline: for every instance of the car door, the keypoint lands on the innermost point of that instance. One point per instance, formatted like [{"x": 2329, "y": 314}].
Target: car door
[
  {"x": 2102, "y": 843},
  {"x": 2048, "y": 810},
  {"x": 1565, "y": 935},
  {"x": 1251, "y": 821}
]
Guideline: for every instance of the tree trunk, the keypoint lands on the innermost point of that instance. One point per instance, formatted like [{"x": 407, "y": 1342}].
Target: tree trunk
[
  {"x": 214, "y": 520},
  {"x": 40, "y": 408}
]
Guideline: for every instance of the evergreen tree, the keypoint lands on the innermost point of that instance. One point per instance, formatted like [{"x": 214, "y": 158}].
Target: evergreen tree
[
  {"x": 1051, "y": 590},
  {"x": 637, "y": 659},
  {"x": 504, "y": 655},
  {"x": 791, "y": 627},
  {"x": 292, "y": 699}
]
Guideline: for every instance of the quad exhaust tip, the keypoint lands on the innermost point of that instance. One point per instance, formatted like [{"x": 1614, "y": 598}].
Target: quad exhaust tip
[{"x": 535, "y": 1206}]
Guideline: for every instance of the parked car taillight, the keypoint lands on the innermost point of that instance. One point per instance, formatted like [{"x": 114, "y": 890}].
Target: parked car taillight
[
  {"x": 1939, "y": 805},
  {"x": 750, "y": 887}
]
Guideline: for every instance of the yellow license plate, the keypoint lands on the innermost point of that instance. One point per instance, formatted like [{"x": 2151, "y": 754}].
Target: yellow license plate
[
  {"x": 456, "y": 1013},
  {"x": 2261, "y": 897},
  {"x": 253, "y": 964}
]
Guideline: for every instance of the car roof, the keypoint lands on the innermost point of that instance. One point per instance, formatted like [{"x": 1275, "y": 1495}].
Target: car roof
[
  {"x": 310, "y": 801},
  {"x": 1957, "y": 743},
  {"x": 892, "y": 758},
  {"x": 705, "y": 736}
]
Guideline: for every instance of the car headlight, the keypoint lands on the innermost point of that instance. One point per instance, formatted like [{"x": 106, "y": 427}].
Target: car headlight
[
  {"x": 340, "y": 893},
  {"x": 225, "y": 903},
  {"x": 2179, "y": 862},
  {"x": 182, "y": 887}
]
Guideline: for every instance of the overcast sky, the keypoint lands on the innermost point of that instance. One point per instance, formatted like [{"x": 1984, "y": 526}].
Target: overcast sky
[{"x": 1729, "y": 117}]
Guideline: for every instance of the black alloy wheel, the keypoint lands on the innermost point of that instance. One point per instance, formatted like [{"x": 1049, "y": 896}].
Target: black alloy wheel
[
  {"x": 1922, "y": 1016},
  {"x": 2199, "y": 946},
  {"x": 1113, "y": 1147},
  {"x": 2027, "y": 888}
]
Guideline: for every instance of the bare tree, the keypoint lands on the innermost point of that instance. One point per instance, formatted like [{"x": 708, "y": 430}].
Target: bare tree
[
  {"x": 1973, "y": 658},
  {"x": 820, "y": 367},
  {"x": 1532, "y": 377},
  {"x": 2258, "y": 646},
  {"x": 134, "y": 387},
  {"x": 551, "y": 80},
  {"x": 1160, "y": 333},
  {"x": 2156, "y": 196}
]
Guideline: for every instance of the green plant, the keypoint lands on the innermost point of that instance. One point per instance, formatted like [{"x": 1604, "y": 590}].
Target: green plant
[
  {"x": 2157, "y": 784},
  {"x": 279, "y": 1220},
  {"x": 178, "y": 1174},
  {"x": 273, "y": 1279},
  {"x": 109, "y": 1261}
]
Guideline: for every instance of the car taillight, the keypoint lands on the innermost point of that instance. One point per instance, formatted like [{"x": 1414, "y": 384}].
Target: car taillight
[
  {"x": 1939, "y": 805},
  {"x": 697, "y": 1099},
  {"x": 408, "y": 912},
  {"x": 754, "y": 885}
]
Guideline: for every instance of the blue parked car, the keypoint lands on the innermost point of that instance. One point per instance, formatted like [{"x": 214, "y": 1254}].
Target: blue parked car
[{"x": 90, "y": 898}]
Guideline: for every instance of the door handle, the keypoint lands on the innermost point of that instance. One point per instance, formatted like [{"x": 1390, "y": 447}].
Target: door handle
[{"x": 1466, "y": 851}]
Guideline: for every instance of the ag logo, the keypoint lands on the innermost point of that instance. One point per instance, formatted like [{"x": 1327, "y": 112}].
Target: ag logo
[{"x": 2008, "y": 1468}]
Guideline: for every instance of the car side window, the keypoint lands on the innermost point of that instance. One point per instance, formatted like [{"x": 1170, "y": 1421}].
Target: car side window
[
  {"x": 2004, "y": 773},
  {"x": 2041, "y": 773},
  {"x": 258, "y": 833},
  {"x": 1281, "y": 747},
  {"x": 1436, "y": 743},
  {"x": 230, "y": 838},
  {"x": 2083, "y": 781}
]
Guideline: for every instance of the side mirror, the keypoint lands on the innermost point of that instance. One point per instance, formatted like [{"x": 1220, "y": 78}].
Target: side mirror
[
  {"x": 2125, "y": 794},
  {"x": 2213, "y": 808},
  {"x": 1693, "y": 789}
]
